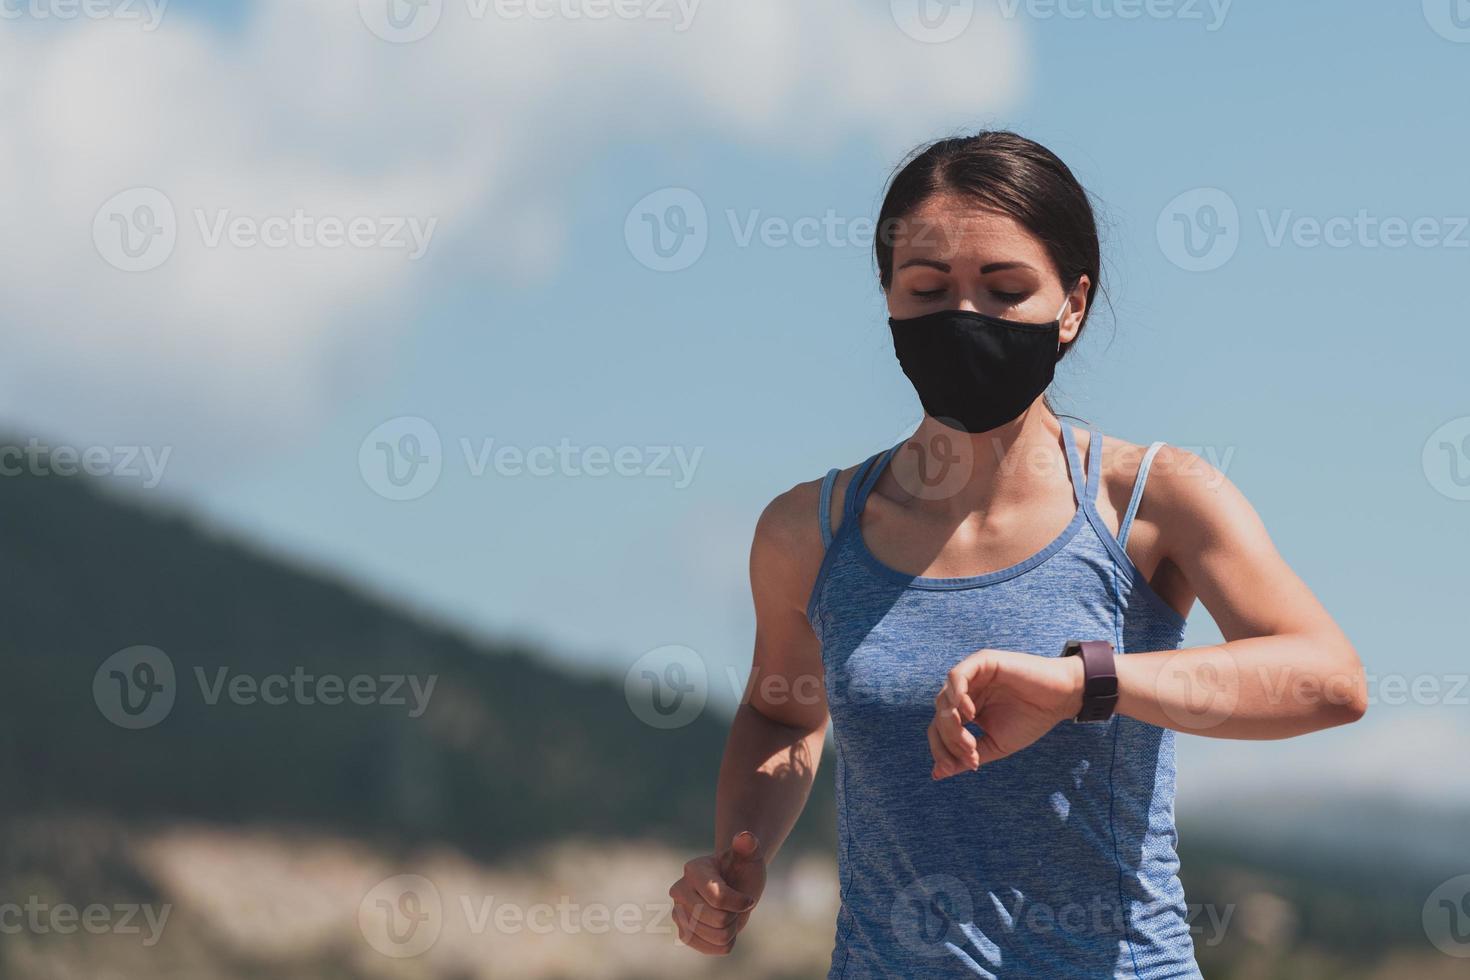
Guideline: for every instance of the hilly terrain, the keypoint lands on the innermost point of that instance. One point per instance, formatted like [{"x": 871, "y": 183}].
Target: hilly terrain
[
  {"x": 242, "y": 793},
  {"x": 509, "y": 751}
]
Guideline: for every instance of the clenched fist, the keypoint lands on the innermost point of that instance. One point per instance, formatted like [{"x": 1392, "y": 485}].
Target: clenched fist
[{"x": 714, "y": 898}]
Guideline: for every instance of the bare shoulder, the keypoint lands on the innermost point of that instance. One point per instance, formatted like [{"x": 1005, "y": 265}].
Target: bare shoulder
[
  {"x": 1121, "y": 461},
  {"x": 787, "y": 550},
  {"x": 788, "y": 524},
  {"x": 790, "y": 520},
  {"x": 1183, "y": 492}
]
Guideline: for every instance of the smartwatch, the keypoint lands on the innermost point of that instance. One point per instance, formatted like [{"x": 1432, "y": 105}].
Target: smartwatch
[{"x": 1099, "y": 678}]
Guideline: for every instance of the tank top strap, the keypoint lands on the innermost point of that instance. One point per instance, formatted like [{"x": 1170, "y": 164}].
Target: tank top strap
[
  {"x": 1074, "y": 462},
  {"x": 1094, "y": 462},
  {"x": 864, "y": 480},
  {"x": 1133, "y": 501},
  {"x": 850, "y": 497},
  {"x": 824, "y": 509}
]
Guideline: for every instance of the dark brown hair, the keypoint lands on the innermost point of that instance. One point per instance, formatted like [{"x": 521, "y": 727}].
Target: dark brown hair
[{"x": 1005, "y": 172}]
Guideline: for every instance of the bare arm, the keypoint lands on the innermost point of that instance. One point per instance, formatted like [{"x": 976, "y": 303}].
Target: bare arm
[
  {"x": 775, "y": 740},
  {"x": 1284, "y": 670}
]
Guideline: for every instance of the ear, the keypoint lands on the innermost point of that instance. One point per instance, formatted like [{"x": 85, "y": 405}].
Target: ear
[{"x": 1076, "y": 309}]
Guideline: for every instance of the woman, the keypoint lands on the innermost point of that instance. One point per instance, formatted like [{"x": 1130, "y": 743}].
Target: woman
[{"x": 991, "y": 612}]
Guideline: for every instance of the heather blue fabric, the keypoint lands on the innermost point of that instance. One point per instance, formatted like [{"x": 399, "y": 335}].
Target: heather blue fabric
[{"x": 1057, "y": 861}]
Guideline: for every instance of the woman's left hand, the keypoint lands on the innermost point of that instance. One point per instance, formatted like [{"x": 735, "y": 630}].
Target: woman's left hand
[{"x": 1015, "y": 698}]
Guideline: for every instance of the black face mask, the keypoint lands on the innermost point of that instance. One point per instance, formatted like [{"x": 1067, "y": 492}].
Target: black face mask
[{"x": 973, "y": 371}]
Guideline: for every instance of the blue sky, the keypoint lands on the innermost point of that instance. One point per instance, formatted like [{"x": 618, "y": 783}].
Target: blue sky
[{"x": 1316, "y": 372}]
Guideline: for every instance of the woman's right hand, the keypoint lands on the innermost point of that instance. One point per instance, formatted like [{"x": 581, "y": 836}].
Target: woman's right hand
[{"x": 714, "y": 898}]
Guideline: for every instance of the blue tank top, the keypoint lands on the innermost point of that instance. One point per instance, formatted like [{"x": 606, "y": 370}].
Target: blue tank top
[{"x": 1057, "y": 861}]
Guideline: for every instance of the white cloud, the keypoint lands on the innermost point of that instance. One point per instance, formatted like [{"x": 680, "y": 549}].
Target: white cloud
[{"x": 475, "y": 126}]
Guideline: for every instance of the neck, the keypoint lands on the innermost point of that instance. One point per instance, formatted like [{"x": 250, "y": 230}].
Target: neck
[{"x": 954, "y": 471}]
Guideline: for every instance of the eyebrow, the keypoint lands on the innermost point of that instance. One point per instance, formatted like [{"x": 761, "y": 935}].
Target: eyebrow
[{"x": 986, "y": 269}]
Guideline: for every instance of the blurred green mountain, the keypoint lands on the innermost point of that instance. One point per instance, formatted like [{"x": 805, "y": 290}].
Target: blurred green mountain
[{"x": 510, "y": 752}]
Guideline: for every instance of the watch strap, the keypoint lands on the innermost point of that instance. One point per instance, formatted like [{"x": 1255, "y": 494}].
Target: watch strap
[{"x": 1100, "y": 678}]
